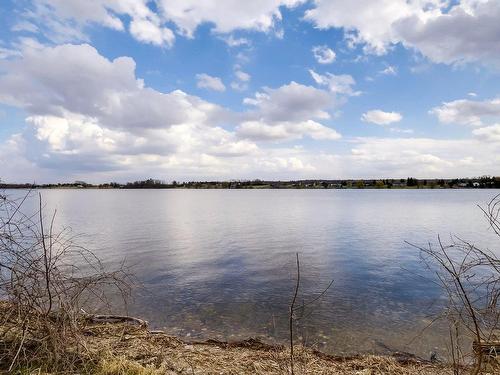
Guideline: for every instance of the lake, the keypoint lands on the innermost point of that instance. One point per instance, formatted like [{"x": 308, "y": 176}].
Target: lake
[{"x": 221, "y": 263}]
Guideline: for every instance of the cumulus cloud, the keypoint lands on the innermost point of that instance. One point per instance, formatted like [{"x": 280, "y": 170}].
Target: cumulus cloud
[
  {"x": 95, "y": 112},
  {"x": 461, "y": 32},
  {"x": 323, "y": 54},
  {"x": 147, "y": 31},
  {"x": 286, "y": 113},
  {"x": 88, "y": 115},
  {"x": 364, "y": 21},
  {"x": 206, "y": 81},
  {"x": 469, "y": 31},
  {"x": 82, "y": 81},
  {"x": 488, "y": 133},
  {"x": 379, "y": 117},
  {"x": 66, "y": 21},
  {"x": 339, "y": 84},
  {"x": 445, "y": 32},
  {"x": 292, "y": 102},
  {"x": 467, "y": 112},
  {"x": 259, "y": 15}
]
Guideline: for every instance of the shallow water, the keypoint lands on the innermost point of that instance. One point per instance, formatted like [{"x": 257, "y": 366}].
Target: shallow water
[{"x": 220, "y": 263}]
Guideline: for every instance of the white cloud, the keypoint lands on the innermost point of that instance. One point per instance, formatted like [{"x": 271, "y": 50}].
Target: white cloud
[
  {"x": 107, "y": 90},
  {"x": 117, "y": 126},
  {"x": 285, "y": 131},
  {"x": 66, "y": 21},
  {"x": 242, "y": 76},
  {"x": 469, "y": 31},
  {"x": 242, "y": 79},
  {"x": 25, "y": 26},
  {"x": 339, "y": 84},
  {"x": 379, "y": 117},
  {"x": 239, "y": 86},
  {"x": 488, "y": 133},
  {"x": 445, "y": 32},
  {"x": 364, "y": 21},
  {"x": 422, "y": 157},
  {"x": 15, "y": 165},
  {"x": 115, "y": 120},
  {"x": 206, "y": 81},
  {"x": 400, "y": 130},
  {"x": 388, "y": 157},
  {"x": 231, "y": 41},
  {"x": 323, "y": 54},
  {"x": 390, "y": 71},
  {"x": 102, "y": 12},
  {"x": 288, "y": 113},
  {"x": 225, "y": 15},
  {"x": 150, "y": 32},
  {"x": 466, "y": 31},
  {"x": 467, "y": 112},
  {"x": 293, "y": 102},
  {"x": 6, "y": 53}
]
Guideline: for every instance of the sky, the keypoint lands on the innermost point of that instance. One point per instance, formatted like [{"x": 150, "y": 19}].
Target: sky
[{"x": 121, "y": 90}]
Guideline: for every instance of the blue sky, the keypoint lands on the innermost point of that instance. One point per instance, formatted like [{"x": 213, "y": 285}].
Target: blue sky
[{"x": 275, "y": 89}]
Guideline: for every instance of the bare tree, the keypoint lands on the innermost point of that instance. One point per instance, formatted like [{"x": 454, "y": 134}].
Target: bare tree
[
  {"x": 470, "y": 278},
  {"x": 46, "y": 280}
]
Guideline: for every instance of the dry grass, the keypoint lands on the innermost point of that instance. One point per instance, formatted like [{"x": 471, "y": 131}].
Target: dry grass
[
  {"x": 123, "y": 366},
  {"x": 126, "y": 349},
  {"x": 131, "y": 350}
]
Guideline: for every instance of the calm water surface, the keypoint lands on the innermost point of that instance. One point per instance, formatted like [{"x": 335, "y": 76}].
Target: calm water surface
[{"x": 220, "y": 263}]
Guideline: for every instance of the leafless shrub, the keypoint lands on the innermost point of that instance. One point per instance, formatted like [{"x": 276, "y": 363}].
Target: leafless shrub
[
  {"x": 46, "y": 280},
  {"x": 470, "y": 277},
  {"x": 293, "y": 317}
]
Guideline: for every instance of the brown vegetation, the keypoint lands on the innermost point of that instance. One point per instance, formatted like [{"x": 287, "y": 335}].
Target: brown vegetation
[
  {"x": 124, "y": 348},
  {"x": 46, "y": 280}
]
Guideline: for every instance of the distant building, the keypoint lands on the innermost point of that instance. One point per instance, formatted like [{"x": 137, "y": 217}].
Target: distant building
[{"x": 398, "y": 184}]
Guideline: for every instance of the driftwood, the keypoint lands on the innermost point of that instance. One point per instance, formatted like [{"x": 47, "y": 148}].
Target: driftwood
[
  {"x": 487, "y": 348},
  {"x": 115, "y": 319}
]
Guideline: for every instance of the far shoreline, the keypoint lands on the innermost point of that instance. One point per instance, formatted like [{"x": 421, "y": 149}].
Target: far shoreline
[{"x": 410, "y": 183}]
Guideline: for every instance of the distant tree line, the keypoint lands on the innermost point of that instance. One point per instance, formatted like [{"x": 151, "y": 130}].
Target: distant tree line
[{"x": 483, "y": 182}]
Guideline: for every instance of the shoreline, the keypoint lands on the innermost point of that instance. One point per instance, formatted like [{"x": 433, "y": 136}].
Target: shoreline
[
  {"x": 242, "y": 188},
  {"x": 111, "y": 345},
  {"x": 484, "y": 182},
  {"x": 135, "y": 349}
]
